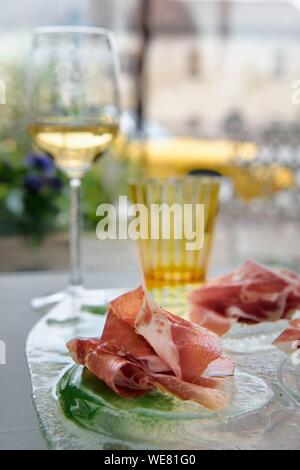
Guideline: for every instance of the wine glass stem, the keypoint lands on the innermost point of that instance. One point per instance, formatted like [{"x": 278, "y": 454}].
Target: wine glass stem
[{"x": 75, "y": 233}]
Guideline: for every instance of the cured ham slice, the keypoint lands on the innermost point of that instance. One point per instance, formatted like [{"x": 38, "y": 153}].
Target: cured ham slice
[
  {"x": 210, "y": 398},
  {"x": 185, "y": 346},
  {"x": 124, "y": 378},
  {"x": 210, "y": 320},
  {"x": 120, "y": 338},
  {"x": 289, "y": 340},
  {"x": 79, "y": 348},
  {"x": 251, "y": 294},
  {"x": 130, "y": 380},
  {"x": 144, "y": 347},
  {"x": 222, "y": 368}
]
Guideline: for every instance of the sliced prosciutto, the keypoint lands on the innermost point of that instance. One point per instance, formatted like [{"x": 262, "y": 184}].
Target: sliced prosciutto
[
  {"x": 211, "y": 398},
  {"x": 186, "y": 347},
  {"x": 130, "y": 380},
  {"x": 119, "y": 338},
  {"x": 122, "y": 376},
  {"x": 126, "y": 378},
  {"x": 144, "y": 347},
  {"x": 289, "y": 340},
  {"x": 211, "y": 320},
  {"x": 221, "y": 368},
  {"x": 251, "y": 294}
]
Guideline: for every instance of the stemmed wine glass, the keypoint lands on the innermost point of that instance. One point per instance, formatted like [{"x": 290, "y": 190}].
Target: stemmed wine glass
[{"x": 73, "y": 111}]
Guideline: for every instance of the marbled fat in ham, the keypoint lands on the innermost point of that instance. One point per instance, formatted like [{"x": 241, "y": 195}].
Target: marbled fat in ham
[
  {"x": 144, "y": 347},
  {"x": 251, "y": 294}
]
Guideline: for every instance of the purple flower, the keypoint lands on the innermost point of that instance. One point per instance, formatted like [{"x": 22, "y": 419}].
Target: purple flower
[
  {"x": 41, "y": 163},
  {"x": 34, "y": 183},
  {"x": 55, "y": 183},
  {"x": 41, "y": 174}
]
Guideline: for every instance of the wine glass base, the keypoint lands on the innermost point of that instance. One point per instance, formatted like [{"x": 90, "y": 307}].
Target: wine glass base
[
  {"x": 76, "y": 299},
  {"x": 41, "y": 303},
  {"x": 47, "y": 301}
]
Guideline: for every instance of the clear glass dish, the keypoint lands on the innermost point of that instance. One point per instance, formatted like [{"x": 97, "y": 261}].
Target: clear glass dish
[
  {"x": 78, "y": 412},
  {"x": 247, "y": 339}
]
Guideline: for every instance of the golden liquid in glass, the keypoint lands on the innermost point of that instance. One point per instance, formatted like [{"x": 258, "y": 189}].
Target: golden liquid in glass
[
  {"x": 168, "y": 262},
  {"x": 74, "y": 147}
]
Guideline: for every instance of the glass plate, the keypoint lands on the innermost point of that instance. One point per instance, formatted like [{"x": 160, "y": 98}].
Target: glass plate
[
  {"x": 290, "y": 376},
  {"x": 78, "y": 412},
  {"x": 246, "y": 339}
]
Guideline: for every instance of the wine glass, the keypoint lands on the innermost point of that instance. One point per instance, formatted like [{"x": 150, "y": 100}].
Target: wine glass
[{"x": 73, "y": 111}]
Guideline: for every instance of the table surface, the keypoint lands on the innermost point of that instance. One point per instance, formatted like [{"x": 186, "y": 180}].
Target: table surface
[{"x": 19, "y": 428}]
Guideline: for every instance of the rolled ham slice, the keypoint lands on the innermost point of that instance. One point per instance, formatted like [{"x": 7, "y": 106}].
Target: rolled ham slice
[
  {"x": 251, "y": 294},
  {"x": 122, "y": 376},
  {"x": 211, "y": 320},
  {"x": 130, "y": 380},
  {"x": 212, "y": 399},
  {"x": 120, "y": 338},
  {"x": 144, "y": 347},
  {"x": 185, "y": 346}
]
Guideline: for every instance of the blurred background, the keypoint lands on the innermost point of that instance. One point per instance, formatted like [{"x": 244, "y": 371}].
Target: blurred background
[{"x": 206, "y": 87}]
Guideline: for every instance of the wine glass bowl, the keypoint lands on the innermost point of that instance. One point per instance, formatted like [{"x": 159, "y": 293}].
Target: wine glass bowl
[{"x": 73, "y": 103}]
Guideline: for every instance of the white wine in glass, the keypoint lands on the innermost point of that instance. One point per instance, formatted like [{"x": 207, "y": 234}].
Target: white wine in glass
[
  {"x": 73, "y": 111},
  {"x": 74, "y": 147}
]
